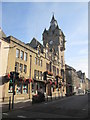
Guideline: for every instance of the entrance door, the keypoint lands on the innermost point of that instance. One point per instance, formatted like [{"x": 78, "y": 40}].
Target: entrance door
[{"x": 49, "y": 89}]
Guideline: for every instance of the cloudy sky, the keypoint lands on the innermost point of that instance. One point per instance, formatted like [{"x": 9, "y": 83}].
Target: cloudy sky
[{"x": 27, "y": 20}]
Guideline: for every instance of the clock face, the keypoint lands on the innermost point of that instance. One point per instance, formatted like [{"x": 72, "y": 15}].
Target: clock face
[{"x": 51, "y": 42}]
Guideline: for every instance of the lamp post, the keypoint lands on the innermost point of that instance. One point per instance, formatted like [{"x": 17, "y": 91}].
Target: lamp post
[
  {"x": 30, "y": 74},
  {"x": 14, "y": 75}
]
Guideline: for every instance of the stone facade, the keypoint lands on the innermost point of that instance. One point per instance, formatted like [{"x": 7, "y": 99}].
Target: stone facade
[
  {"x": 72, "y": 80},
  {"x": 76, "y": 81},
  {"x": 3, "y": 61},
  {"x": 82, "y": 78},
  {"x": 39, "y": 66}
]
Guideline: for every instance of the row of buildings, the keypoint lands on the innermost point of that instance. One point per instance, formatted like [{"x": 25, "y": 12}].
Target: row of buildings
[{"x": 39, "y": 66}]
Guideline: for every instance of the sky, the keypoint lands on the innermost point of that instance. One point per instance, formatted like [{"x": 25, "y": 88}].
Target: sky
[{"x": 25, "y": 20}]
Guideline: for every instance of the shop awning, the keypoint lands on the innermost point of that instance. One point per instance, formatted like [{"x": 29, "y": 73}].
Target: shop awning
[
  {"x": 59, "y": 76},
  {"x": 49, "y": 73},
  {"x": 37, "y": 80}
]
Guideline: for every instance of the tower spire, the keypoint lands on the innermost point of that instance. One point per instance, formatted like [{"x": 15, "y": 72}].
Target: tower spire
[{"x": 53, "y": 18}]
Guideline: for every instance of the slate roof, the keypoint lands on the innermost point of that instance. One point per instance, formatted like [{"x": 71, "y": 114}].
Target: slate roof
[{"x": 34, "y": 44}]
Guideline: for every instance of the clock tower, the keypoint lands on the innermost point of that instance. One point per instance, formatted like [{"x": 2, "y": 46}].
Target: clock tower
[{"x": 54, "y": 37}]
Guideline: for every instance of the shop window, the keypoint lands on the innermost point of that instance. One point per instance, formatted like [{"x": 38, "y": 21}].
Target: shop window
[
  {"x": 38, "y": 74},
  {"x": 21, "y": 54},
  {"x": 25, "y": 56},
  {"x": 32, "y": 87},
  {"x": 19, "y": 89},
  {"x": 10, "y": 90},
  {"x": 17, "y": 53},
  {"x": 41, "y": 75},
  {"x": 50, "y": 66},
  {"x": 62, "y": 74},
  {"x": 25, "y": 88},
  {"x": 25, "y": 68}
]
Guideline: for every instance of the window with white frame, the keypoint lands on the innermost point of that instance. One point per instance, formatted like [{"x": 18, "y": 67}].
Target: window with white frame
[
  {"x": 41, "y": 63},
  {"x": 34, "y": 73},
  {"x": 40, "y": 75},
  {"x": 17, "y": 66},
  {"x": 19, "y": 89},
  {"x": 38, "y": 61},
  {"x": 25, "y": 68},
  {"x": 57, "y": 71},
  {"x": 25, "y": 56},
  {"x": 35, "y": 60},
  {"x": 54, "y": 70},
  {"x": 46, "y": 53},
  {"x": 21, "y": 54},
  {"x": 38, "y": 50},
  {"x": 10, "y": 90},
  {"x": 17, "y": 53},
  {"x": 21, "y": 67},
  {"x": 25, "y": 88},
  {"x": 47, "y": 66},
  {"x": 61, "y": 61}
]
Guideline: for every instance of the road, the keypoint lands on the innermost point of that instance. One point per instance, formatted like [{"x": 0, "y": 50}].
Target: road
[{"x": 68, "y": 107}]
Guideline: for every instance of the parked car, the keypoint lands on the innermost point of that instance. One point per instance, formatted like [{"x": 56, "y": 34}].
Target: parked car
[{"x": 40, "y": 97}]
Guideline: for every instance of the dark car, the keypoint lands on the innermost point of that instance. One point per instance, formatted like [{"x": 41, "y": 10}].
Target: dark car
[{"x": 40, "y": 97}]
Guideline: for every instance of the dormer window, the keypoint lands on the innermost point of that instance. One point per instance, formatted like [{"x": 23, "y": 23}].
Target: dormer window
[
  {"x": 46, "y": 53},
  {"x": 61, "y": 43},
  {"x": 39, "y": 50}
]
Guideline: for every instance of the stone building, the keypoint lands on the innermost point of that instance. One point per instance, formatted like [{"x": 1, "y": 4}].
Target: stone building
[
  {"x": 82, "y": 78},
  {"x": 76, "y": 81},
  {"x": 54, "y": 43},
  {"x": 72, "y": 80},
  {"x": 3, "y": 61},
  {"x": 39, "y": 66},
  {"x": 87, "y": 87}
]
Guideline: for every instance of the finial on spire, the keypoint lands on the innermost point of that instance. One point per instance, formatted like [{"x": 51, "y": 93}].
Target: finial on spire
[{"x": 53, "y": 13}]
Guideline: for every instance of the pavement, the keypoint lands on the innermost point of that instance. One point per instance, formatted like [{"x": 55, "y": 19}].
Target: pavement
[
  {"x": 66, "y": 107},
  {"x": 24, "y": 103}
]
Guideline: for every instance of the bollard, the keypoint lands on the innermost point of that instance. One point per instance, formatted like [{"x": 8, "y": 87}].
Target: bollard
[
  {"x": 47, "y": 98},
  {"x": 9, "y": 102},
  {"x": 55, "y": 95},
  {"x": 59, "y": 95},
  {"x": 51, "y": 97}
]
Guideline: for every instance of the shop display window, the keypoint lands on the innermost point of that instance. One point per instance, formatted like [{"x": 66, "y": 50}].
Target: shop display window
[
  {"x": 25, "y": 88},
  {"x": 19, "y": 89}
]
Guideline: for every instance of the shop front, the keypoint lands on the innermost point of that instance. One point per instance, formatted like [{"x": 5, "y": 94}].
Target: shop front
[
  {"x": 37, "y": 85},
  {"x": 22, "y": 89}
]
